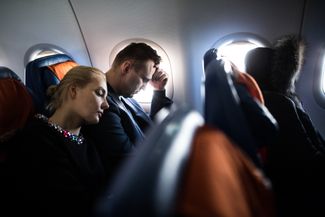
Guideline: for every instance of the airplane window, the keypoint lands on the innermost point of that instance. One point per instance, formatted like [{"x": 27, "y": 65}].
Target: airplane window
[
  {"x": 236, "y": 52},
  {"x": 145, "y": 96},
  {"x": 42, "y": 50},
  {"x": 234, "y": 47},
  {"x": 323, "y": 78},
  {"x": 44, "y": 53},
  {"x": 319, "y": 87}
]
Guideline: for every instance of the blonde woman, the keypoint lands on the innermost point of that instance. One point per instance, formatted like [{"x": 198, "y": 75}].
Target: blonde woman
[{"x": 57, "y": 170}]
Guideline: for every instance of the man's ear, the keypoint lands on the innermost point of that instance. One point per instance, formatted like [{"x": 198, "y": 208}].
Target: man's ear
[{"x": 125, "y": 67}]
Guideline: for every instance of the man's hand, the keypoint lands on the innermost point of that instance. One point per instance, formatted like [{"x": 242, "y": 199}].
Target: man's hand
[{"x": 159, "y": 79}]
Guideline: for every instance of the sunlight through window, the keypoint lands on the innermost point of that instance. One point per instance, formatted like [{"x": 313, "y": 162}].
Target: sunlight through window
[
  {"x": 323, "y": 77},
  {"x": 236, "y": 52},
  {"x": 234, "y": 47}
]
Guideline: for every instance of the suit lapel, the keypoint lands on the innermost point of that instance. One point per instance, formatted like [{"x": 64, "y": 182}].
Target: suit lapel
[{"x": 135, "y": 108}]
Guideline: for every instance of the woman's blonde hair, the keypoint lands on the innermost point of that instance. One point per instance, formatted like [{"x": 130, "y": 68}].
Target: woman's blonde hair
[{"x": 79, "y": 76}]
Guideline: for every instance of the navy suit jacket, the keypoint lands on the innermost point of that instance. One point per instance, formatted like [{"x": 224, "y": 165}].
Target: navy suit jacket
[{"x": 122, "y": 127}]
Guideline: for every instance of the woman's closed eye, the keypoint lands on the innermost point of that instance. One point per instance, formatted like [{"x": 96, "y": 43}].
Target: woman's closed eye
[{"x": 100, "y": 92}]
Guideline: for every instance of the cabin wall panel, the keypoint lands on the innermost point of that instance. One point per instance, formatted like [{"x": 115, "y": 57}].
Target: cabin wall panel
[
  {"x": 27, "y": 23},
  {"x": 185, "y": 29},
  {"x": 216, "y": 19},
  {"x": 314, "y": 35},
  {"x": 107, "y": 23}
]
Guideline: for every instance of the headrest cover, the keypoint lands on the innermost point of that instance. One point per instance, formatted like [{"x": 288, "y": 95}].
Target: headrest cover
[
  {"x": 60, "y": 69},
  {"x": 8, "y": 73}
]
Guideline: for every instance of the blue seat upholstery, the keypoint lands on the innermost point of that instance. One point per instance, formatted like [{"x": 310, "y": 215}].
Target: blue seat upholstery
[
  {"x": 8, "y": 73},
  {"x": 148, "y": 183},
  {"x": 40, "y": 75}
]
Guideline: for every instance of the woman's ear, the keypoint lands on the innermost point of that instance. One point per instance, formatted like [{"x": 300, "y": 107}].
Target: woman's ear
[{"x": 73, "y": 91}]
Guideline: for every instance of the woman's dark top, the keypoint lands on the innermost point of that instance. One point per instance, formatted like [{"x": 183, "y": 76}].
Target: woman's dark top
[{"x": 55, "y": 173}]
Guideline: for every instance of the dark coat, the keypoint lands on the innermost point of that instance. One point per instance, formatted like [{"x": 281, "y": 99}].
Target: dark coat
[
  {"x": 296, "y": 160},
  {"x": 53, "y": 175}
]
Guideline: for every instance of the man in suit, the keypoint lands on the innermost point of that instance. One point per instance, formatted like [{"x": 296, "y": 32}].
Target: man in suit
[{"x": 124, "y": 124}]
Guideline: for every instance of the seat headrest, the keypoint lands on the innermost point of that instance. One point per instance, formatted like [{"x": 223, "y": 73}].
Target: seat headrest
[
  {"x": 8, "y": 73},
  {"x": 258, "y": 63},
  {"x": 48, "y": 60},
  {"x": 16, "y": 103},
  {"x": 44, "y": 72},
  {"x": 210, "y": 55}
]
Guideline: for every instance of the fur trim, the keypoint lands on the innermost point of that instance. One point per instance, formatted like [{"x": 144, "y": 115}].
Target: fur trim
[{"x": 287, "y": 62}]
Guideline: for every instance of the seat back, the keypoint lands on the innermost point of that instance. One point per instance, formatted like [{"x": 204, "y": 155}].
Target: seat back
[
  {"x": 222, "y": 106},
  {"x": 46, "y": 71},
  {"x": 187, "y": 169},
  {"x": 16, "y": 102},
  {"x": 221, "y": 181},
  {"x": 148, "y": 184},
  {"x": 16, "y": 108}
]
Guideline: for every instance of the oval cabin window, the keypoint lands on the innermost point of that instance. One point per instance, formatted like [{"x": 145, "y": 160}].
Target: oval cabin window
[
  {"x": 234, "y": 47},
  {"x": 144, "y": 96}
]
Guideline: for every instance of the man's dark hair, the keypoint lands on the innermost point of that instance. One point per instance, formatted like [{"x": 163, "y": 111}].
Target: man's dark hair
[{"x": 139, "y": 52}]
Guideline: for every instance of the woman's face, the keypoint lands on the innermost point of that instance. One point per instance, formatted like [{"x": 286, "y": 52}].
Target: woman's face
[{"x": 90, "y": 101}]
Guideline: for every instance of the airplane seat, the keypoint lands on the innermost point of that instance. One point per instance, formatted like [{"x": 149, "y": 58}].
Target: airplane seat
[
  {"x": 17, "y": 103},
  {"x": 147, "y": 184},
  {"x": 186, "y": 168},
  {"x": 295, "y": 165},
  {"x": 234, "y": 104},
  {"x": 16, "y": 108},
  {"x": 294, "y": 146},
  {"x": 220, "y": 180},
  {"x": 261, "y": 122},
  {"x": 222, "y": 106},
  {"x": 44, "y": 72}
]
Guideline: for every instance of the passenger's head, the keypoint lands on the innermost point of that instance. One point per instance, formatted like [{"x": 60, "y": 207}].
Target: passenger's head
[
  {"x": 287, "y": 62},
  {"x": 134, "y": 66},
  {"x": 258, "y": 63},
  {"x": 82, "y": 92}
]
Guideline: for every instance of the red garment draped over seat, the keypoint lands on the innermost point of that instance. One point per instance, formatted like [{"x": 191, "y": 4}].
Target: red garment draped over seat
[{"x": 221, "y": 181}]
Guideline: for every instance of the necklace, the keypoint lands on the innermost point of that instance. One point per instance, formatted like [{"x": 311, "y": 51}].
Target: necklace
[{"x": 65, "y": 133}]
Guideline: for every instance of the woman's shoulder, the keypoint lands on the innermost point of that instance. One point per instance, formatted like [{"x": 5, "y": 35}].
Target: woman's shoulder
[
  {"x": 36, "y": 126},
  {"x": 37, "y": 133}
]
